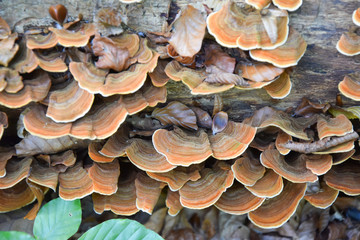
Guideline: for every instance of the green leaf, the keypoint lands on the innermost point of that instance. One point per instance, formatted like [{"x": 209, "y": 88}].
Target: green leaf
[
  {"x": 119, "y": 229},
  {"x": 11, "y": 235},
  {"x": 57, "y": 220}
]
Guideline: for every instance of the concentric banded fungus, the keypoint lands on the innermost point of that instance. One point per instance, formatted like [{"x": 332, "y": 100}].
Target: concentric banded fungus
[
  {"x": 43, "y": 175},
  {"x": 173, "y": 202},
  {"x": 276, "y": 211},
  {"x": 339, "y": 158},
  {"x": 356, "y": 17},
  {"x": 259, "y": 4},
  {"x": 125, "y": 82},
  {"x": 95, "y": 155},
  {"x": 16, "y": 197},
  {"x": 15, "y": 172},
  {"x": 324, "y": 198},
  {"x": 238, "y": 200},
  {"x": 147, "y": 192},
  {"x": 208, "y": 189},
  {"x": 233, "y": 141},
  {"x": 39, "y": 193},
  {"x": 349, "y": 43},
  {"x": 290, "y": 5},
  {"x": 177, "y": 177},
  {"x": 294, "y": 171},
  {"x": 123, "y": 202},
  {"x": 248, "y": 169},
  {"x": 265, "y": 29},
  {"x": 69, "y": 104},
  {"x": 11, "y": 81},
  {"x": 176, "y": 113},
  {"x": 181, "y": 147},
  {"x": 350, "y": 86},
  {"x": 116, "y": 145},
  {"x": 280, "y": 88},
  {"x": 34, "y": 90},
  {"x": 282, "y": 138},
  {"x": 158, "y": 76},
  {"x": 259, "y": 72},
  {"x": 143, "y": 155},
  {"x": 100, "y": 123},
  {"x": 25, "y": 60},
  {"x": 39, "y": 41},
  {"x": 105, "y": 177},
  {"x": 52, "y": 62},
  {"x": 345, "y": 177},
  {"x": 286, "y": 55},
  {"x": 5, "y": 155},
  {"x": 270, "y": 185},
  {"x": 75, "y": 183},
  {"x": 338, "y": 126},
  {"x": 188, "y": 32},
  {"x": 77, "y": 38},
  {"x": 318, "y": 164}
]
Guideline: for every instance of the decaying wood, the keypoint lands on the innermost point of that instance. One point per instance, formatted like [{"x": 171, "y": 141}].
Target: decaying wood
[{"x": 320, "y": 145}]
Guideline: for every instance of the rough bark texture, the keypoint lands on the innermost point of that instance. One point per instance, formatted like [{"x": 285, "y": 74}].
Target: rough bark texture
[{"x": 321, "y": 22}]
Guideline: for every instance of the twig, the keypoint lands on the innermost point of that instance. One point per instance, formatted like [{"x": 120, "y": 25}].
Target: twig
[{"x": 320, "y": 145}]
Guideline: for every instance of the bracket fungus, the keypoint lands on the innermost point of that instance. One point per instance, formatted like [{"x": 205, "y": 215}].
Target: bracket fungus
[
  {"x": 266, "y": 29},
  {"x": 290, "y": 5},
  {"x": 356, "y": 17},
  {"x": 349, "y": 43},
  {"x": 350, "y": 86}
]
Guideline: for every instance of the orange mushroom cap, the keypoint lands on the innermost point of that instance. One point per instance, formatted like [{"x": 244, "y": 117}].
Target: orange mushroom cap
[
  {"x": 345, "y": 177},
  {"x": 338, "y": 126},
  {"x": 238, "y": 200},
  {"x": 8, "y": 49},
  {"x": 350, "y": 86},
  {"x": 356, "y": 17},
  {"x": 147, "y": 192},
  {"x": 173, "y": 202},
  {"x": 94, "y": 153},
  {"x": 15, "y": 172},
  {"x": 76, "y": 38},
  {"x": 259, "y": 4},
  {"x": 39, "y": 41},
  {"x": 286, "y": 55},
  {"x": 280, "y": 88},
  {"x": 208, "y": 189},
  {"x": 181, "y": 147},
  {"x": 349, "y": 43},
  {"x": 276, "y": 211},
  {"x": 239, "y": 25},
  {"x": 105, "y": 177},
  {"x": 270, "y": 185},
  {"x": 324, "y": 198},
  {"x": 34, "y": 90},
  {"x": 69, "y": 104},
  {"x": 248, "y": 169},
  {"x": 16, "y": 197},
  {"x": 53, "y": 62},
  {"x": 289, "y": 5},
  {"x": 75, "y": 183},
  {"x": 116, "y": 145},
  {"x": 294, "y": 171},
  {"x": 232, "y": 141},
  {"x": 188, "y": 33},
  {"x": 318, "y": 164},
  {"x": 25, "y": 60},
  {"x": 282, "y": 138},
  {"x": 176, "y": 113},
  {"x": 44, "y": 175},
  {"x": 143, "y": 155},
  {"x": 177, "y": 177},
  {"x": 123, "y": 202}
]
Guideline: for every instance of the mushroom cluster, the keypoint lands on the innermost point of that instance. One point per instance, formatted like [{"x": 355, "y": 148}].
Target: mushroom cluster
[
  {"x": 82, "y": 135},
  {"x": 254, "y": 46}
]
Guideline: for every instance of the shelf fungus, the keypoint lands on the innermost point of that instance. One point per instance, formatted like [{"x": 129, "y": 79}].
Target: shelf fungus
[
  {"x": 356, "y": 17},
  {"x": 259, "y": 4},
  {"x": 269, "y": 186},
  {"x": 266, "y": 29},
  {"x": 350, "y": 86},
  {"x": 276, "y": 211},
  {"x": 286, "y": 55},
  {"x": 349, "y": 43},
  {"x": 290, "y": 5},
  {"x": 324, "y": 198}
]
